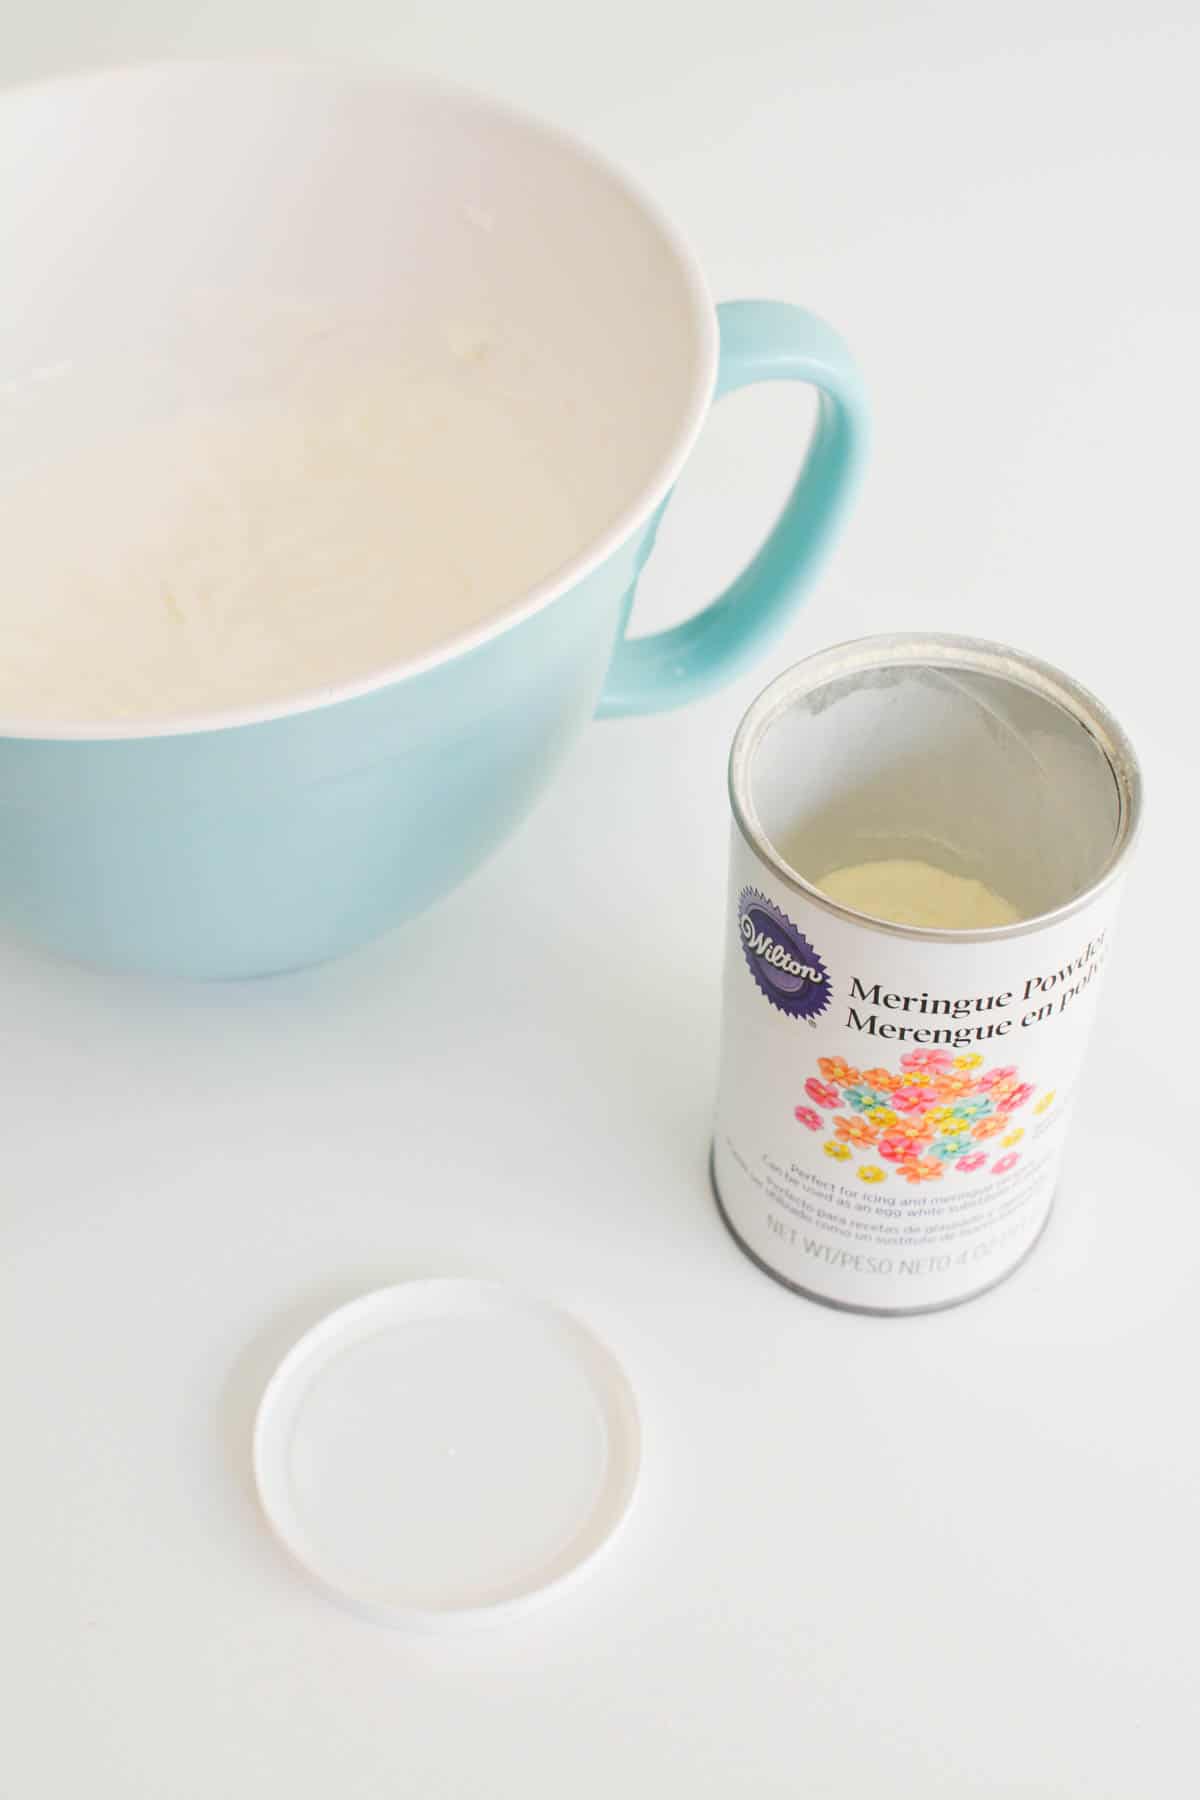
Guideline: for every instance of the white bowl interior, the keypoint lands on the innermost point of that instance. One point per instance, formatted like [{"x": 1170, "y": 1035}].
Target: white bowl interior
[{"x": 131, "y": 201}]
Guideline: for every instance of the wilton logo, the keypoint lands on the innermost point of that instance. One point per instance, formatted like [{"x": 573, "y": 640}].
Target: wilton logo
[{"x": 785, "y": 967}]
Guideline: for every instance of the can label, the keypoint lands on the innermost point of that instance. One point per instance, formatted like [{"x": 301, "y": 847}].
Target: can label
[{"x": 892, "y": 1110}]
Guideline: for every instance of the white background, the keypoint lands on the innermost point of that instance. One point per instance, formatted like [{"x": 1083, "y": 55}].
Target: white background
[{"x": 954, "y": 1555}]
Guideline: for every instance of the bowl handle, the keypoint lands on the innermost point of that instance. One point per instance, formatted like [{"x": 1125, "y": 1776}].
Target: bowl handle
[{"x": 761, "y": 340}]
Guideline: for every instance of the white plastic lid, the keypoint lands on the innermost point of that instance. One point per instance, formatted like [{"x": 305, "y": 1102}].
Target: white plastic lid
[{"x": 446, "y": 1451}]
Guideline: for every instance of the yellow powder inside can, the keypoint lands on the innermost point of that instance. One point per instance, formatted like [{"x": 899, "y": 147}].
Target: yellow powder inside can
[{"x": 918, "y": 893}]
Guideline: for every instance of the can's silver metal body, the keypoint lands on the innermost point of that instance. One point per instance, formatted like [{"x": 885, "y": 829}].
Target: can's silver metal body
[{"x": 893, "y": 1099}]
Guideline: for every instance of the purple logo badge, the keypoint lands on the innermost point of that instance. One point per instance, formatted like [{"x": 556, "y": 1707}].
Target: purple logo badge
[{"x": 783, "y": 963}]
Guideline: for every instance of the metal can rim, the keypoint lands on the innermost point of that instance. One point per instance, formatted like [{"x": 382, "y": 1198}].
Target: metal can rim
[{"x": 970, "y": 655}]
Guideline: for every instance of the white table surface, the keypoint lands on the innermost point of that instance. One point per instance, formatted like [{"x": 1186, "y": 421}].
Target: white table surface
[{"x": 954, "y": 1555}]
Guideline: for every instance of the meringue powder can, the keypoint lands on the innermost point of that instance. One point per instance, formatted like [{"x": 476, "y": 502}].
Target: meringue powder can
[{"x": 928, "y": 844}]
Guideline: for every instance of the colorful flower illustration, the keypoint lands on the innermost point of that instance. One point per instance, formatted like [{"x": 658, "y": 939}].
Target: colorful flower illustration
[
  {"x": 909, "y": 1099},
  {"x": 897, "y": 1144},
  {"x": 937, "y": 1111},
  {"x": 855, "y": 1130},
  {"x": 926, "y": 1168},
  {"x": 860, "y": 1097},
  {"x": 952, "y": 1087},
  {"x": 974, "y": 1108},
  {"x": 1008, "y": 1073},
  {"x": 821, "y": 1092},
  {"x": 949, "y": 1149},
  {"x": 838, "y": 1070},
  {"x": 915, "y": 1125},
  {"x": 927, "y": 1059}
]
